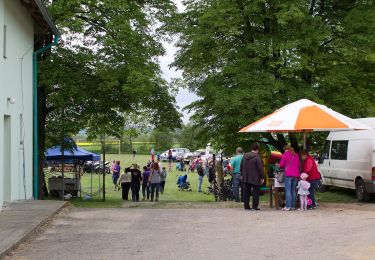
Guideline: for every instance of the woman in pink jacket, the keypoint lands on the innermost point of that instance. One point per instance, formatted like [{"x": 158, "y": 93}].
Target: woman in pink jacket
[{"x": 291, "y": 164}]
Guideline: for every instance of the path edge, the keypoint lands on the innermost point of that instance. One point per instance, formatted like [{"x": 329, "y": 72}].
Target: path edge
[{"x": 32, "y": 230}]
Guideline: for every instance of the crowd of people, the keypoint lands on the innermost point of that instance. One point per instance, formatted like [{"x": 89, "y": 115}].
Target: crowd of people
[
  {"x": 297, "y": 173},
  {"x": 296, "y": 178},
  {"x": 151, "y": 181}
]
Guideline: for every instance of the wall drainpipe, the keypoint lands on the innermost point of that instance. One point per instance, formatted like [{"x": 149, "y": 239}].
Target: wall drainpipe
[{"x": 35, "y": 114}]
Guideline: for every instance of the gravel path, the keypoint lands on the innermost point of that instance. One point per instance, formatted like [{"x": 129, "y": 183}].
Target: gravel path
[{"x": 331, "y": 232}]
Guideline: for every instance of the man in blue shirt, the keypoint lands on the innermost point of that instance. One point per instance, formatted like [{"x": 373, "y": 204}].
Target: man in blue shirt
[{"x": 236, "y": 173}]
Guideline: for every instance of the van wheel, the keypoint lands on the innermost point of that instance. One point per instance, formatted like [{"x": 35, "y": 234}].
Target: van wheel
[{"x": 360, "y": 190}]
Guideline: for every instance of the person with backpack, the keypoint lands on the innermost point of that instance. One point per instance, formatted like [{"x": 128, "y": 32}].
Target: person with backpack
[
  {"x": 200, "y": 171},
  {"x": 291, "y": 164},
  {"x": 252, "y": 177}
]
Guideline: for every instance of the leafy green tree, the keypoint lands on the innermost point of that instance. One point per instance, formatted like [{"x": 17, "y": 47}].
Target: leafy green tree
[
  {"x": 188, "y": 137},
  {"x": 136, "y": 124},
  {"x": 163, "y": 139},
  {"x": 105, "y": 67},
  {"x": 247, "y": 58}
]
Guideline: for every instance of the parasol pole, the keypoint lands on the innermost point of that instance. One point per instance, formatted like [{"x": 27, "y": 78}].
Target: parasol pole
[{"x": 304, "y": 139}]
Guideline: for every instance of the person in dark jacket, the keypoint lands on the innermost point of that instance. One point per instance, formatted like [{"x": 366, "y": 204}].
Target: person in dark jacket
[
  {"x": 145, "y": 187},
  {"x": 252, "y": 176},
  {"x": 136, "y": 180}
]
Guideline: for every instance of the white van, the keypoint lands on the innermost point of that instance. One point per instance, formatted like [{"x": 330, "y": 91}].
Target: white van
[{"x": 348, "y": 160}]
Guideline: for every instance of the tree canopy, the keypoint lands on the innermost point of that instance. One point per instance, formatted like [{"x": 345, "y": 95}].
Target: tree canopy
[
  {"x": 106, "y": 66},
  {"x": 247, "y": 58}
]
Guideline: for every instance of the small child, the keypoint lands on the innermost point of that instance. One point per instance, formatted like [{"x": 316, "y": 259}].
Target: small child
[
  {"x": 303, "y": 190},
  {"x": 276, "y": 170}
]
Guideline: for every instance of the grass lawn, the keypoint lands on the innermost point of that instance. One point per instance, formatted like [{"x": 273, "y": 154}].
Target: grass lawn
[
  {"x": 337, "y": 195},
  {"x": 172, "y": 197}
]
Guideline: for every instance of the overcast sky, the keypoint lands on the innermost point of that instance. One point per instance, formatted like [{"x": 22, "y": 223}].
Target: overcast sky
[{"x": 184, "y": 97}]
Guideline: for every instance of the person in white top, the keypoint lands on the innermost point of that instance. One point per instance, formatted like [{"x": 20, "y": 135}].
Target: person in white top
[{"x": 124, "y": 181}]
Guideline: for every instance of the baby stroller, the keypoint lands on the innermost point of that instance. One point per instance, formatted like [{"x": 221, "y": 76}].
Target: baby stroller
[
  {"x": 191, "y": 167},
  {"x": 183, "y": 184}
]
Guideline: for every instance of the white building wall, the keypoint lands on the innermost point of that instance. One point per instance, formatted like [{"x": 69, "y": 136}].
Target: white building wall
[{"x": 16, "y": 81}]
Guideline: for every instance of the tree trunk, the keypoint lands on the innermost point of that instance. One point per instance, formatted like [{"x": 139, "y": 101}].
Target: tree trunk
[
  {"x": 42, "y": 115},
  {"x": 312, "y": 5},
  {"x": 321, "y": 7},
  {"x": 278, "y": 143},
  {"x": 131, "y": 144},
  {"x": 294, "y": 142},
  {"x": 219, "y": 182},
  {"x": 248, "y": 35},
  {"x": 42, "y": 187}
]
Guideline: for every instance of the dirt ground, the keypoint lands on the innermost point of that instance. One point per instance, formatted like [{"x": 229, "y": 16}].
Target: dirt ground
[{"x": 333, "y": 231}]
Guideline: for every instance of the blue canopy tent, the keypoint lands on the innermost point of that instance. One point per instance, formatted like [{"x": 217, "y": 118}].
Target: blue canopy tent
[
  {"x": 55, "y": 154},
  {"x": 60, "y": 185}
]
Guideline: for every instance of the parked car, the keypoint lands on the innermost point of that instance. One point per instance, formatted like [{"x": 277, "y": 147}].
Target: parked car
[
  {"x": 175, "y": 152},
  {"x": 348, "y": 160},
  {"x": 202, "y": 153},
  {"x": 180, "y": 155},
  {"x": 187, "y": 156}
]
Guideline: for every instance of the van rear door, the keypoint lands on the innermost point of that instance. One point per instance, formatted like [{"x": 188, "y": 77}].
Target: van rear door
[{"x": 324, "y": 163}]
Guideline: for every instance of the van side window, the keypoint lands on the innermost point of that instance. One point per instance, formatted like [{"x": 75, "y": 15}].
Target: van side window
[
  {"x": 325, "y": 154},
  {"x": 339, "y": 150}
]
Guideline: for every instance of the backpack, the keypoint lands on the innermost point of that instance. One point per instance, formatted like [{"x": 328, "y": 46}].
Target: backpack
[
  {"x": 200, "y": 170},
  {"x": 305, "y": 185}
]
